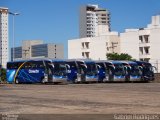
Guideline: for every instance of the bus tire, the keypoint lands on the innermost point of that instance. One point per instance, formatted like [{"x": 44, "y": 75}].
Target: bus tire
[{"x": 43, "y": 81}]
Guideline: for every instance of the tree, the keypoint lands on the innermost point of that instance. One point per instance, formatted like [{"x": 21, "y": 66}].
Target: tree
[
  {"x": 2, "y": 75},
  {"x": 116, "y": 56}
]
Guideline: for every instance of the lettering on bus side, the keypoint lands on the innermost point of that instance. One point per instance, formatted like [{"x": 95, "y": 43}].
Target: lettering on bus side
[{"x": 33, "y": 71}]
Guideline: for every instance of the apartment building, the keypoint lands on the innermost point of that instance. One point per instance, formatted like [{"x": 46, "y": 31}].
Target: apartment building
[
  {"x": 94, "y": 21},
  {"x": 143, "y": 44},
  {"x": 96, "y": 39},
  {"x": 3, "y": 36},
  {"x": 32, "y": 49},
  {"x": 94, "y": 48}
]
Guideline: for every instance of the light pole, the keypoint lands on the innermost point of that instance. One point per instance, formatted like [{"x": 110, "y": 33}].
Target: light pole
[{"x": 14, "y": 14}]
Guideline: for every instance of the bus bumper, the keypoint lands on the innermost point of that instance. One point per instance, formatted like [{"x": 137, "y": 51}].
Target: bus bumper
[
  {"x": 132, "y": 79},
  {"x": 59, "y": 80},
  {"x": 148, "y": 78},
  {"x": 106, "y": 79},
  {"x": 91, "y": 80},
  {"x": 119, "y": 79}
]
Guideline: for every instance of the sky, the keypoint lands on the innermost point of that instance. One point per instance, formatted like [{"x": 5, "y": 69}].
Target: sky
[{"x": 57, "y": 21}]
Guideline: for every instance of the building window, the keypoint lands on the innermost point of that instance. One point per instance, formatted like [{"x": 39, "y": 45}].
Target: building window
[
  {"x": 87, "y": 54},
  {"x": 82, "y": 54},
  {"x": 146, "y": 38},
  {"x": 87, "y": 45},
  {"x": 141, "y": 39},
  {"x": 141, "y": 50},
  {"x": 103, "y": 14},
  {"x": 82, "y": 44},
  {"x": 146, "y": 49}
]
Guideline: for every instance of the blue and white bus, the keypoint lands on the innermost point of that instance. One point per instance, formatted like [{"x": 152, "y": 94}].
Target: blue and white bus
[
  {"x": 115, "y": 71},
  {"x": 59, "y": 71},
  {"x": 133, "y": 72},
  {"x": 147, "y": 70},
  {"x": 29, "y": 71},
  {"x": 103, "y": 71},
  {"x": 82, "y": 71}
]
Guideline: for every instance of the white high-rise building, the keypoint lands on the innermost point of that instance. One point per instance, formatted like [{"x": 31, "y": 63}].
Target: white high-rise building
[
  {"x": 3, "y": 36},
  {"x": 94, "y": 21},
  {"x": 96, "y": 39}
]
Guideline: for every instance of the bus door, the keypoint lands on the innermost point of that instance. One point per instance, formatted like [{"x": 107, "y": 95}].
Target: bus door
[
  {"x": 49, "y": 71},
  {"x": 72, "y": 71}
]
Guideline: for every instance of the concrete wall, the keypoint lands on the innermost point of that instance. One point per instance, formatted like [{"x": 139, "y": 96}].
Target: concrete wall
[
  {"x": 59, "y": 51},
  {"x": 130, "y": 43},
  {"x": 157, "y": 78},
  {"x": 97, "y": 47}
]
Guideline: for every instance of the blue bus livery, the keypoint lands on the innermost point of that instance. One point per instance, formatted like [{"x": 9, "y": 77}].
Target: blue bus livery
[
  {"x": 103, "y": 71},
  {"x": 147, "y": 70},
  {"x": 116, "y": 71},
  {"x": 59, "y": 71},
  {"x": 82, "y": 71},
  {"x": 29, "y": 71},
  {"x": 133, "y": 72}
]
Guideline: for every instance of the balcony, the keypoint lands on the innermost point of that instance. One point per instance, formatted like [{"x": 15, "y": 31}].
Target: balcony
[
  {"x": 144, "y": 56},
  {"x": 144, "y": 44},
  {"x": 85, "y": 49}
]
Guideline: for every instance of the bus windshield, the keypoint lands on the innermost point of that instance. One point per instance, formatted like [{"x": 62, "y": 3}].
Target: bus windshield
[
  {"x": 91, "y": 69},
  {"x": 135, "y": 70},
  {"x": 148, "y": 69},
  {"x": 13, "y": 65},
  {"x": 59, "y": 68},
  {"x": 119, "y": 70}
]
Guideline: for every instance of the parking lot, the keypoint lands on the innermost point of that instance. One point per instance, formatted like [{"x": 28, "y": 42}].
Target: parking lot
[{"x": 108, "y": 98}]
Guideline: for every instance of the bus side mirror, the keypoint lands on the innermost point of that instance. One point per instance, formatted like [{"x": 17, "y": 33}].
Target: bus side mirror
[
  {"x": 125, "y": 68},
  {"x": 67, "y": 66},
  {"x": 141, "y": 68},
  {"x": 99, "y": 67},
  {"x": 155, "y": 68},
  {"x": 84, "y": 66},
  {"x": 112, "y": 66}
]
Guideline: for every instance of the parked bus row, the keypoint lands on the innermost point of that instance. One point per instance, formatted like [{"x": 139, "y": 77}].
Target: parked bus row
[{"x": 78, "y": 71}]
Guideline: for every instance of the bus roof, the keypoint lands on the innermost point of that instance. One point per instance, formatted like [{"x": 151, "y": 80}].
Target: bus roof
[
  {"x": 81, "y": 60},
  {"x": 129, "y": 62},
  {"x": 142, "y": 62},
  {"x": 58, "y": 60},
  {"x": 30, "y": 60},
  {"x": 109, "y": 61}
]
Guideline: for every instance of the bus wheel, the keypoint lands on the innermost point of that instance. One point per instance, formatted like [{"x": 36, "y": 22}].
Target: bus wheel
[
  {"x": 16, "y": 81},
  {"x": 43, "y": 81}
]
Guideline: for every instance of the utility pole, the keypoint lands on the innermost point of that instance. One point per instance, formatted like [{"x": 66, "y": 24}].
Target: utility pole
[
  {"x": 157, "y": 65},
  {"x": 113, "y": 45},
  {"x": 13, "y": 50},
  {"x": 0, "y": 73}
]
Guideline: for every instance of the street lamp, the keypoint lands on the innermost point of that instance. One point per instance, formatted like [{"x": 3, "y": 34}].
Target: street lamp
[{"x": 14, "y": 14}]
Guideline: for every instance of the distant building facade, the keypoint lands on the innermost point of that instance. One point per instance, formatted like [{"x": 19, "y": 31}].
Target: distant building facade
[
  {"x": 32, "y": 49},
  {"x": 93, "y": 21},
  {"x": 144, "y": 43},
  {"x": 3, "y": 36},
  {"x": 95, "y": 48}
]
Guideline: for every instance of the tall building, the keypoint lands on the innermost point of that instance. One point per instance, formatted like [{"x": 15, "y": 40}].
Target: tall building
[
  {"x": 3, "y": 36},
  {"x": 96, "y": 39},
  {"x": 144, "y": 43},
  {"x": 32, "y": 49},
  {"x": 94, "y": 21}
]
